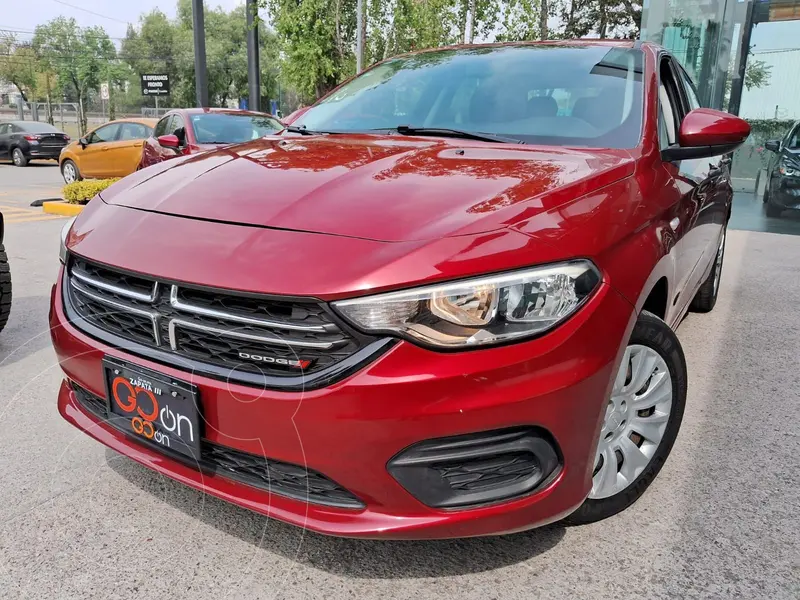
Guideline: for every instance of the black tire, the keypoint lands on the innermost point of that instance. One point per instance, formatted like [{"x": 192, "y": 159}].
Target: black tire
[
  {"x": 706, "y": 297},
  {"x": 772, "y": 210},
  {"x": 78, "y": 176},
  {"x": 18, "y": 158},
  {"x": 654, "y": 333},
  {"x": 5, "y": 288},
  {"x": 765, "y": 196}
]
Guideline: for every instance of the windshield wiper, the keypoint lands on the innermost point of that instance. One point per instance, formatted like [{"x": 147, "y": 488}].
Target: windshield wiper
[
  {"x": 456, "y": 133},
  {"x": 303, "y": 130}
]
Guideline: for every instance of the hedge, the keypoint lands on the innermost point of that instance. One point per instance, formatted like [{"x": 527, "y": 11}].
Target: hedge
[{"x": 80, "y": 192}]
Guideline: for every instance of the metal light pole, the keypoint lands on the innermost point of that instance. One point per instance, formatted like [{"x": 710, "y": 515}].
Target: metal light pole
[
  {"x": 359, "y": 36},
  {"x": 253, "y": 71},
  {"x": 200, "y": 71}
]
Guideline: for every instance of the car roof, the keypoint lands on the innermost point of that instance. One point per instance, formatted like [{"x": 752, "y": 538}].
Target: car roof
[
  {"x": 141, "y": 120},
  {"x": 565, "y": 43},
  {"x": 230, "y": 111},
  {"x": 22, "y": 123}
]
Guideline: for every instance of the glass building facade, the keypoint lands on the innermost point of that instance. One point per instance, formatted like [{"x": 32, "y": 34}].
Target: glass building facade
[{"x": 744, "y": 56}]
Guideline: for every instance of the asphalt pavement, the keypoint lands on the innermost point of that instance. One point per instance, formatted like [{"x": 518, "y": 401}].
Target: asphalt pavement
[{"x": 721, "y": 521}]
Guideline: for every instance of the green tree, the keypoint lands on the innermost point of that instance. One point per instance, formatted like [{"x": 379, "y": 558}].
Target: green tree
[
  {"x": 318, "y": 42},
  {"x": 79, "y": 56},
  {"x": 757, "y": 74},
  {"x": 18, "y": 66}
]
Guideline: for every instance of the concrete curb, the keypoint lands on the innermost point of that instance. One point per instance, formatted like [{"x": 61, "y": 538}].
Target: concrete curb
[{"x": 63, "y": 208}]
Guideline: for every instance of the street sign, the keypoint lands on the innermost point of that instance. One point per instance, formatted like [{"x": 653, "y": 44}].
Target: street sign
[
  {"x": 104, "y": 91},
  {"x": 155, "y": 85}
]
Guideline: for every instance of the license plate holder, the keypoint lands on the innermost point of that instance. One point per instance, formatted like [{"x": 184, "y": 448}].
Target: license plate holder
[{"x": 154, "y": 407}]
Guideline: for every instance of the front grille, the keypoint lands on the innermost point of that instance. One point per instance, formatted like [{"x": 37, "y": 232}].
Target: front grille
[
  {"x": 244, "y": 337},
  {"x": 284, "y": 479}
]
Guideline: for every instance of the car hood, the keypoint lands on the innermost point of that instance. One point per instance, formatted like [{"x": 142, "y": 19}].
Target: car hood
[{"x": 384, "y": 188}]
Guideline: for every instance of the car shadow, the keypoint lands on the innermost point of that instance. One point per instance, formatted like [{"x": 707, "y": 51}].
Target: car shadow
[
  {"x": 27, "y": 330},
  {"x": 355, "y": 558}
]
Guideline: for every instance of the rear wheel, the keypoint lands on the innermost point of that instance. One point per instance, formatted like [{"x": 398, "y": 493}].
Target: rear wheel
[
  {"x": 19, "y": 159},
  {"x": 70, "y": 172},
  {"x": 641, "y": 420},
  {"x": 706, "y": 297},
  {"x": 5, "y": 288}
]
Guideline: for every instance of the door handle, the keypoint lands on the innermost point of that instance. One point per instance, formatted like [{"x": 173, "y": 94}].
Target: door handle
[{"x": 674, "y": 224}]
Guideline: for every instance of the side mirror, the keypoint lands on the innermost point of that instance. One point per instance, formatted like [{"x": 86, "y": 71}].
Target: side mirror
[
  {"x": 706, "y": 132},
  {"x": 773, "y": 145},
  {"x": 169, "y": 141},
  {"x": 83, "y": 142}
]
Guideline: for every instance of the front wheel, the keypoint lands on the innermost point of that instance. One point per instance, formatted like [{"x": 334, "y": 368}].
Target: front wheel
[
  {"x": 19, "y": 159},
  {"x": 5, "y": 288},
  {"x": 641, "y": 420},
  {"x": 773, "y": 211},
  {"x": 69, "y": 171}
]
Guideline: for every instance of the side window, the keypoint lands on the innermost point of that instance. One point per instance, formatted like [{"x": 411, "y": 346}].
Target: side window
[
  {"x": 132, "y": 131},
  {"x": 178, "y": 128},
  {"x": 690, "y": 89},
  {"x": 670, "y": 109},
  {"x": 793, "y": 139},
  {"x": 104, "y": 134},
  {"x": 15, "y": 128},
  {"x": 161, "y": 126},
  {"x": 3, "y": 128}
]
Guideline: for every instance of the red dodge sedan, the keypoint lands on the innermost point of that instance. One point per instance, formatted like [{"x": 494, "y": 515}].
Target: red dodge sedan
[
  {"x": 191, "y": 130},
  {"x": 439, "y": 304}
]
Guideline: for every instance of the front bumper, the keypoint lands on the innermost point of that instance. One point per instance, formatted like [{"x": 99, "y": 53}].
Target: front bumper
[
  {"x": 787, "y": 193},
  {"x": 352, "y": 430}
]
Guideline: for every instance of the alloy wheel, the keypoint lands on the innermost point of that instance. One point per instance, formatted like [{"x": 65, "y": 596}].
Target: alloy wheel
[
  {"x": 635, "y": 421},
  {"x": 17, "y": 157},
  {"x": 69, "y": 173}
]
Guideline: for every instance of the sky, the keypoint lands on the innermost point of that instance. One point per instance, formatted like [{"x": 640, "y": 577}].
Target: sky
[{"x": 113, "y": 15}]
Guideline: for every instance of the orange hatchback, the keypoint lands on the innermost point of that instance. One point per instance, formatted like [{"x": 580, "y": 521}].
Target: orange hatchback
[{"x": 111, "y": 150}]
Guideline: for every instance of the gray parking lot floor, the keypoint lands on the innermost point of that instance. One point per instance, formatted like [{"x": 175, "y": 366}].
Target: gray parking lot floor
[{"x": 721, "y": 521}]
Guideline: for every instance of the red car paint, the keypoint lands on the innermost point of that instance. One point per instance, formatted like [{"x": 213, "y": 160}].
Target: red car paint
[
  {"x": 340, "y": 216},
  {"x": 153, "y": 152}
]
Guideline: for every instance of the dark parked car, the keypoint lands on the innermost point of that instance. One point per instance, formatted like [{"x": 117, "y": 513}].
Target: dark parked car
[
  {"x": 782, "y": 191},
  {"x": 5, "y": 280},
  {"x": 23, "y": 141},
  {"x": 440, "y": 304},
  {"x": 191, "y": 130}
]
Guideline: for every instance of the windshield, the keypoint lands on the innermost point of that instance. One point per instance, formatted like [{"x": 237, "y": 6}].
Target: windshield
[
  {"x": 35, "y": 127},
  {"x": 224, "y": 128},
  {"x": 559, "y": 95}
]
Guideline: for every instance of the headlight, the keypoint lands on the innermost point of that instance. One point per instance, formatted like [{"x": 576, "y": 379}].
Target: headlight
[
  {"x": 62, "y": 252},
  {"x": 481, "y": 311},
  {"x": 789, "y": 168}
]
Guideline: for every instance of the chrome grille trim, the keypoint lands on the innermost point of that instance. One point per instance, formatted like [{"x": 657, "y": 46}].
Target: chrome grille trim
[
  {"x": 122, "y": 308},
  {"x": 117, "y": 290},
  {"x": 272, "y": 341},
  {"x": 178, "y": 304},
  {"x": 226, "y": 334}
]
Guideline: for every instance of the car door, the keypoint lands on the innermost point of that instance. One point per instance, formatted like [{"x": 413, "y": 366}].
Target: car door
[
  {"x": 126, "y": 151},
  {"x": 715, "y": 190},
  {"x": 5, "y": 128},
  {"x": 92, "y": 159},
  {"x": 690, "y": 182}
]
